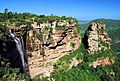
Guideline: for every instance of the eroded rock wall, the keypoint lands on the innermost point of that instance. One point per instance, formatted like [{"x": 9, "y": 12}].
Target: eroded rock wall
[
  {"x": 55, "y": 44},
  {"x": 96, "y": 38}
]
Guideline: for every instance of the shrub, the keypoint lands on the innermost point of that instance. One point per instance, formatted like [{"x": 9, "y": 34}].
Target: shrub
[{"x": 72, "y": 44}]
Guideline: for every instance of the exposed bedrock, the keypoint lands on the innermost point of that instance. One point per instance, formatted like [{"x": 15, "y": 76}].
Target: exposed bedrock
[{"x": 96, "y": 38}]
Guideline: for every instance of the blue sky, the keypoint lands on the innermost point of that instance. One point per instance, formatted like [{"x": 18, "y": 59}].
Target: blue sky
[{"x": 82, "y": 9}]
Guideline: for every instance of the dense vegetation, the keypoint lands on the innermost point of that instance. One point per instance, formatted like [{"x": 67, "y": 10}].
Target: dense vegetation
[
  {"x": 15, "y": 19},
  {"x": 115, "y": 35}
]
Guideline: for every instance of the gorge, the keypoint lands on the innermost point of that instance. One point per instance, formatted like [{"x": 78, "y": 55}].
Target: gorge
[{"x": 52, "y": 48}]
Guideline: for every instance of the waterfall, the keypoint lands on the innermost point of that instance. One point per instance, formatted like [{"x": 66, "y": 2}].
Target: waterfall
[{"x": 20, "y": 47}]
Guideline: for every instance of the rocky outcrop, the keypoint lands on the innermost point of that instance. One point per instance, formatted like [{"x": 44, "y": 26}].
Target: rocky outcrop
[
  {"x": 49, "y": 37},
  {"x": 102, "y": 62},
  {"x": 96, "y": 38},
  {"x": 75, "y": 62},
  {"x": 56, "y": 43}
]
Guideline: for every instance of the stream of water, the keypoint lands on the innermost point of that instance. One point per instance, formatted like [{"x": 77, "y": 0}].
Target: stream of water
[{"x": 20, "y": 47}]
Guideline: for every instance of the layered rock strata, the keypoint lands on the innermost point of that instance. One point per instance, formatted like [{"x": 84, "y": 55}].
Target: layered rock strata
[
  {"x": 96, "y": 38},
  {"x": 55, "y": 44}
]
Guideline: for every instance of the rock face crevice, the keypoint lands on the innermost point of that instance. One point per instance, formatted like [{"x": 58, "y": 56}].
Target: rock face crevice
[
  {"x": 96, "y": 38},
  {"x": 60, "y": 40}
]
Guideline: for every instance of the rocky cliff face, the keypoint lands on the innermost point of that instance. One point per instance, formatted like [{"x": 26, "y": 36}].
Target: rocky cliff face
[
  {"x": 96, "y": 38},
  {"x": 54, "y": 44}
]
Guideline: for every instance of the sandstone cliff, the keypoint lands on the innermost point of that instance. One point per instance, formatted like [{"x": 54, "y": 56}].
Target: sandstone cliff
[
  {"x": 54, "y": 44},
  {"x": 96, "y": 38}
]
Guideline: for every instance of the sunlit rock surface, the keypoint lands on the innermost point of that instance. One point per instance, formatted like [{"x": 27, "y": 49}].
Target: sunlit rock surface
[
  {"x": 102, "y": 62},
  {"x": 96, "y": 38},
  {"x": 55, "y": 44}
]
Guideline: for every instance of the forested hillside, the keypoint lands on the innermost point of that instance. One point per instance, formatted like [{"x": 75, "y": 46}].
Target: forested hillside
[
  {"x": 110, "y": 23},
  {"x": 115, "y": 35}
]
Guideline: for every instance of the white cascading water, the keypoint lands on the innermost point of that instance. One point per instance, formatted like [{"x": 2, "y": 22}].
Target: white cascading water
[{"x": 20, "y": 47}]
